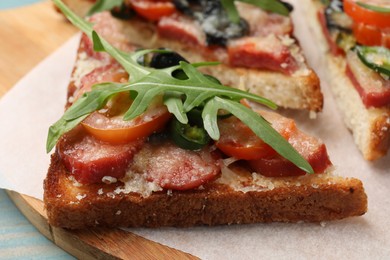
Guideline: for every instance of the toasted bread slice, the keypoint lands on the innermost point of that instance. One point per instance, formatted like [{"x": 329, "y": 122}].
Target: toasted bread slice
[
  {"x": 300, "y": 90},
  {"x": 370, "y": 127},
  {"x": 235, "y": 198},
  {"x": 152, "y": 193}
]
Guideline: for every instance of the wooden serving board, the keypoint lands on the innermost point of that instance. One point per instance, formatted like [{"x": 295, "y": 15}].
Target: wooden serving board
[
  {"x": 28, "y": 35},
  {"x": 99, "y": 243}
]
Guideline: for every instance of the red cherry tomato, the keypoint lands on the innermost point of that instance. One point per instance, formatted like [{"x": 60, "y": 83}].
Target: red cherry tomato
[
  {"x": 371, "y": 35},
  {"x": 153, "y": 10},
  {"x": 239, "y": 141},
  {"x": 111, "y": 127},
  {"x": 366, "y": 16}
]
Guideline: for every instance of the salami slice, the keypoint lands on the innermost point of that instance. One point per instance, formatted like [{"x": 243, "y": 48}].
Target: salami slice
[
  {"x": 174, "y": 168},
  {"x": 90, "y": 159}
]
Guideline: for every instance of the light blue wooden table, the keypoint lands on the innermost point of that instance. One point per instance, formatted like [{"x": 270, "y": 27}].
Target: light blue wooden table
[
  {"x": 6, "y": 4},
  {"x": 21, "y": 240},
  {"x": 18, "y": 238}
]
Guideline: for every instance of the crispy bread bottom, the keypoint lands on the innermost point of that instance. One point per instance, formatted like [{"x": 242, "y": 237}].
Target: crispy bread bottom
[{"x": 308, "y": 198}]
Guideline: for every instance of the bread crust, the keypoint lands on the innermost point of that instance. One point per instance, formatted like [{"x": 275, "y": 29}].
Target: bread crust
[
  {"x": 370, "y": 127},
  {"x": 311, "y": 199}
]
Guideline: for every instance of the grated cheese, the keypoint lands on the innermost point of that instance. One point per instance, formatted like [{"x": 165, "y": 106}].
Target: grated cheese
[
  {"x": 136, "y": 182},
  {"x": 83, "y": 66}
]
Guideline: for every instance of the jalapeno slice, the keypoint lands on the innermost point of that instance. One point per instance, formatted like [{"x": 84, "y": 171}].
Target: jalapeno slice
[
  {"x": 376, "y": 58},
  {"x": 190, "y": 137}
]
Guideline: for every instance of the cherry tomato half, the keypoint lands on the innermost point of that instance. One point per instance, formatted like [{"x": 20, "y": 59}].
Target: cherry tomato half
[
  {"x": 363, "y": 15},
  {"x": 371, "y": 35},
  {"x": 110, "y": 126},
  {"x": 153, "y": 10},
  {"x": 239, "y": 141}
]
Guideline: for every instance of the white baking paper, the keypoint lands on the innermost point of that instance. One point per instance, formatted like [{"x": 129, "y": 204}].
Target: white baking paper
[
  {"x": 37, "y": 101},
  {"x": 26, "y": 112}
]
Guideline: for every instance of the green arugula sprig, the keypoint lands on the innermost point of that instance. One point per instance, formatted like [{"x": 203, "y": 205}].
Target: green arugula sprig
[
  {"x": 274, "y": 6},
  {"x": 104, "y": 5},
  {"x": 180, "y": 96}
]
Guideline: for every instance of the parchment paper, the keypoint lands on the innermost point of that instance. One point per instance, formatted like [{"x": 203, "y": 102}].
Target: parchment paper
[{"x": 37, "y": 101}]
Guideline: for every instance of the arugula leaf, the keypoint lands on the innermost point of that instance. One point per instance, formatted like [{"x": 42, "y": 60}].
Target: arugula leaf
[
  {"x": 180, "y": 96},
  {"x": 197, "y": 89},
  {"x": 325, "y": 2},
  {"x": 173, "y": 101},
  {"x": 274, "y": 6},
  {"x": 104, "y": 5},
  {"x": 374, "y": 8},
  {"x": 231, "y": 10},
  {"x": 260, "y": 127}
]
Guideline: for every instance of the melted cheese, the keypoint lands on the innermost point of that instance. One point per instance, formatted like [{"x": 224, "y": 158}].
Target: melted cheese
[
  {"x": 296, "y": 53},
  {"x": 84, "y": 65},
  {"x": 257, "y": 182},
  {"x": 136, "y": 182}
]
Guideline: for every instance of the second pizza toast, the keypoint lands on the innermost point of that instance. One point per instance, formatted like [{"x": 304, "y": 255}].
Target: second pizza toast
[{"x": 258, "y": 51}]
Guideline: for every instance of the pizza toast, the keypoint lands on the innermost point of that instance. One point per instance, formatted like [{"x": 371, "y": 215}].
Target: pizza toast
[
  {"x": 162, "y": 177},
  {"x": 267, "y": 62},
  {"x": 368, "y": 120}
]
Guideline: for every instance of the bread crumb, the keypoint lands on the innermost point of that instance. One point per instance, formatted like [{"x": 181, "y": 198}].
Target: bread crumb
[
  {"x": 100, "y": 191},
  {"x": 70, "y": 99},
  {"x": 111, "y": 195},
  {"x": 118, "y": 212},
  {"x": 109, "y": 180},
  {"x": 312, "y": 115},
  {"x": 80, "y": 197},
  {"x": 74, "y": 182},
  {"x": 286, "y": 40},
  {"x": 59, "y": 196}
]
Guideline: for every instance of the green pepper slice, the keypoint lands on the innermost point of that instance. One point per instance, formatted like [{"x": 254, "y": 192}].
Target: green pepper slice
[
  {"x": 190, "y": 137},
  {"x": 376, "y": 58}
]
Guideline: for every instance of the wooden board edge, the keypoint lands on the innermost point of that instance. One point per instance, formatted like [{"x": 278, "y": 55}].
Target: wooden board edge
[{"x": 99, "y": 243}]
